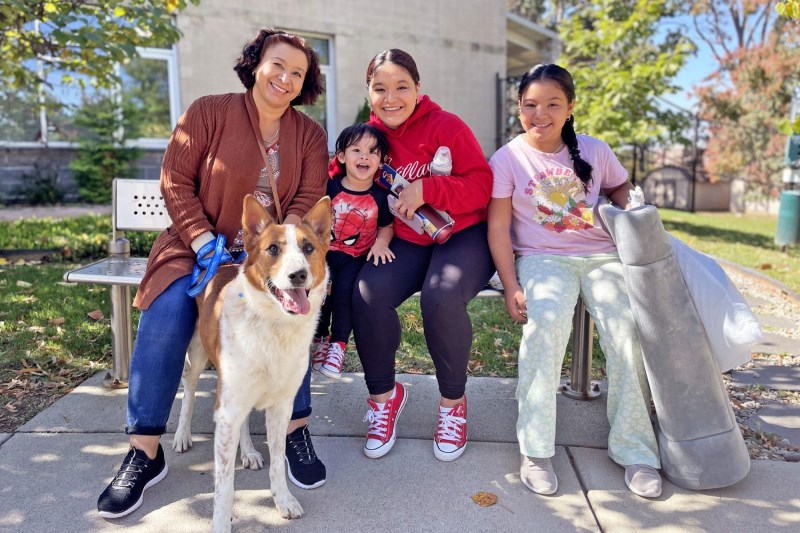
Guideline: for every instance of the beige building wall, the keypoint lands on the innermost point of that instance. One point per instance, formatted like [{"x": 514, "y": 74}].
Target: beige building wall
[{"x": 459, "y": 47}]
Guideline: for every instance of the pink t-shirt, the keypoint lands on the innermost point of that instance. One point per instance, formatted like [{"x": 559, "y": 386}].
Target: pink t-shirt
[{"x": 551, "y": 213}]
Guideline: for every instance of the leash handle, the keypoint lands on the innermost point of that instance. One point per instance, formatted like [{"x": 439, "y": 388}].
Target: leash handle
[{"x": 210, "y": 264}]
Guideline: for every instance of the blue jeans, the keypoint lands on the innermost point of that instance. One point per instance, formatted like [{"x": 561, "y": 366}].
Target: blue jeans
[{"x": 159, "y": 352}]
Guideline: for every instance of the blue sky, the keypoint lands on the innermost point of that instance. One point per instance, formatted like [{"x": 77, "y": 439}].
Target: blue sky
[{"x": 697, "y": 67}]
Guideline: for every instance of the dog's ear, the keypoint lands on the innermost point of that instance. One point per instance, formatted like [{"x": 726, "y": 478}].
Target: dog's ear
[
  {"x": 254, "y": 217},
  {"x": 319, "y": 218}
]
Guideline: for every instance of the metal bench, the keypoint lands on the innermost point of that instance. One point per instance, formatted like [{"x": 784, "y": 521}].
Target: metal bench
[
  {"x": 580, "y": 385},
  {"x": 139, "y": 206}
]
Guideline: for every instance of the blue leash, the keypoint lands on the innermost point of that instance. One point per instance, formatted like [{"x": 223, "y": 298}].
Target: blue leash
[{"x": 210, "y": 264}]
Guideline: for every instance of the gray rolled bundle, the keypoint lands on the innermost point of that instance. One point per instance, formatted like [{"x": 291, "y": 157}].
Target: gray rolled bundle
[{"x": 700, "y": 444}]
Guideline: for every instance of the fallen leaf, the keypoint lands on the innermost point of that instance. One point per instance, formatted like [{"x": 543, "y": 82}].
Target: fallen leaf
[
  {"x": 3, "y": 261},
  {"x": 95, "y": 315},
  {"x": 10, "y": 408},
  {"x": 485, "y": 499},
  {"x": 475, "y": 366},
  {"x": 19, "y": 262},
  {"x": 765, "y": 266},
  {"x": 57, "y": 321},
  {"x": 24, "y": 284},
  {"x": 65, "y": 284},
  {"x": 36, "y": 329}
]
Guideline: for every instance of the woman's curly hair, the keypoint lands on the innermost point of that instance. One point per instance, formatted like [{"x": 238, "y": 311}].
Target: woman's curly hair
[{"x": 313, "y": 84}]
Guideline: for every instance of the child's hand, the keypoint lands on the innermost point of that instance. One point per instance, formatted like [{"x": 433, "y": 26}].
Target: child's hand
[
  {"x": 516, "y": 305},
  {"x": 380, "y": 252}
]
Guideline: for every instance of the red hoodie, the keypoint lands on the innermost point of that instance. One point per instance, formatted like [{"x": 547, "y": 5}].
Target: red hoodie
[{"x": 464, "y": 194}]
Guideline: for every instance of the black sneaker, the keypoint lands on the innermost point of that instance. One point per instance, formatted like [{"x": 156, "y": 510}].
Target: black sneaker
[
  {"x": 305, "y": 469},
  {"x": 137, "y": 474}
]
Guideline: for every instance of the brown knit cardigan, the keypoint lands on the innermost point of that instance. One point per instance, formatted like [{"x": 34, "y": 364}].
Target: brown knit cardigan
[{"x": 212, "y": 161}]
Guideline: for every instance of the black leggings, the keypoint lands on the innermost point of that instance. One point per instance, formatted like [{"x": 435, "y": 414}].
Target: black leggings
[
  {"x": 344, "y": 270},
  {"x": 449, "y": 276}
]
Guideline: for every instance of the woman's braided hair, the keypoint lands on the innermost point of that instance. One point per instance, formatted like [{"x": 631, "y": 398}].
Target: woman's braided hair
[{"x": 562, "y": 77}]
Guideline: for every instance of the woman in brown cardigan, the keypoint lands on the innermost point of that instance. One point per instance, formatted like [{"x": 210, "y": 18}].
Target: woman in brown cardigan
[{"x": 212, "y": 161}]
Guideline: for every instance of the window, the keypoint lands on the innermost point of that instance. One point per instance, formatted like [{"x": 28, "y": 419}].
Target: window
[
  {"x": 323, "y": 111},
  {"x": 149, "y": 84}
]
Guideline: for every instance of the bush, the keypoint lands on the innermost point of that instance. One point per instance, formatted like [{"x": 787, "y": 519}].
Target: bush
[
  {"x": 79, "y": 239},
  {"x": 102, "y": 154},
  {"x": 40, "y": 186},
  {"x": 363, "y": 113}
]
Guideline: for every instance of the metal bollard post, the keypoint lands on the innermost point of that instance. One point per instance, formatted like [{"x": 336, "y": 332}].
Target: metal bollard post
[
  {"x": 580, "y": 386},
  {"x": 121, "y": 323}
]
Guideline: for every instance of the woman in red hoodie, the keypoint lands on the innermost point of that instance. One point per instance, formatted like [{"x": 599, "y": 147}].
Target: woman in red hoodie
[{"x": 448, "y": 275}]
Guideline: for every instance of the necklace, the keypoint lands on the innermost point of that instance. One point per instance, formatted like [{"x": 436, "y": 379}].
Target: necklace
[
  {"x": 272, "y": 138},
  {"x": 560, "y": 147}
]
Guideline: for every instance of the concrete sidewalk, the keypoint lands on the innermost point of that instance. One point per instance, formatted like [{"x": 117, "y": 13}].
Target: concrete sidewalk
[{"x": 53, "y": 469}]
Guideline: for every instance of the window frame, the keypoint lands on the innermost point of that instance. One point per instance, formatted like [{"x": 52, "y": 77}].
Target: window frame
[{"x": 329, "y": 72}]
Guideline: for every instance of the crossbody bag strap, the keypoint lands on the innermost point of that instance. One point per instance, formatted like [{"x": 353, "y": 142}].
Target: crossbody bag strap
[{"x": 273, "y": 184}]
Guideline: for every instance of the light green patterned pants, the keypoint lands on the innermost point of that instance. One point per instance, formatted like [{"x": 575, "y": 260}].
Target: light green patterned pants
[{"x": 552, "y": 285}]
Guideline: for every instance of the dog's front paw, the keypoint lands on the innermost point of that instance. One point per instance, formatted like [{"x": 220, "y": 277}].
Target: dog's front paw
[
  {"x": 182, "y": 442},
  {"x": 288, "y": 506},
  {"x": 253, "y": 460}
]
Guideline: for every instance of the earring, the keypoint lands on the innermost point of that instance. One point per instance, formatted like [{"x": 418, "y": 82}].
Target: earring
[{"x": 419, "y": 98}]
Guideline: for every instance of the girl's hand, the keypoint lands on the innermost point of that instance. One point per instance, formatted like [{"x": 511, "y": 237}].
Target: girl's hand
[
  {"x": 515, "y": 303},
  {"x": 410, "y": 199},
  {"x": 380, "y": 253}
]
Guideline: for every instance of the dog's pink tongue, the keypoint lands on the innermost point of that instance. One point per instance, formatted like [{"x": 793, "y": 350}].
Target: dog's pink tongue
[{"x": 296, "y": 301}]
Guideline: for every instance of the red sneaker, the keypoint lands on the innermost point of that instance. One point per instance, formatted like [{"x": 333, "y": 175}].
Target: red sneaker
[
  {"x": 451, "y": 435},
  {"x": 382, "y": 430},
  {"x": 319, "y": 347},
  {"x": 334, "y": 358}
]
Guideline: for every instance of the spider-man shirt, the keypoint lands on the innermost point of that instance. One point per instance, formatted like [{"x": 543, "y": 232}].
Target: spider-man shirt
[{"x": 357, "y": 215}]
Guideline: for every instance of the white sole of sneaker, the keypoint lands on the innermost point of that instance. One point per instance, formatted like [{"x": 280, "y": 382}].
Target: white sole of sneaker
[
  {"x": 638, "y": 492},
  {"x": 542, "y": 492},
  {"x": 448, "y": 456},
  {"x": 329, "y": 373},
  {"x": 154, "y": 481},
  {"x": 301, "y": 485},
  {"x": 386, "y": 448}
]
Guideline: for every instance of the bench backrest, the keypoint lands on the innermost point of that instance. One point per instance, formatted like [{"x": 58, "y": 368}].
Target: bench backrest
[{"x": 138, "y": 206}]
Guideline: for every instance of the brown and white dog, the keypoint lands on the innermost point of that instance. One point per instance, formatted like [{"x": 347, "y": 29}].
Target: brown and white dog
[{"x": 256, "y": 322}]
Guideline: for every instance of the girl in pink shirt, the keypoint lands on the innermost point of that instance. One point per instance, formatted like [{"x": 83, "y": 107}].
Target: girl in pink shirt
[{"x": 549, "y": 250}]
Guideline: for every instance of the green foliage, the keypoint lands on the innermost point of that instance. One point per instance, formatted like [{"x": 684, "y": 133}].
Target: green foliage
[
  {"x": 789, "y": 9},
  {"x": 747, "y": 101},
  {"x": 549, "y": 13},
  {"x": 533, "y": 10},
  {"x": 80, "y": 38},
  {"x": 363, "y": 113},
  {"x": 787, "y": 127},
  {"x": 148, "y": 93},
  {"x": 621, "y": 62},
  {"x": 19, "y": 120},
  {"x": 102, "y": 154},
  {"x": 40, "y": 186},
  {"x": 82, "y": 238}
]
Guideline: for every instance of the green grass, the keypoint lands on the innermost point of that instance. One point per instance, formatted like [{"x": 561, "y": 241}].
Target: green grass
[
  {"x": 48, "y": 343},
  {"x": 747, "y": 240}
]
